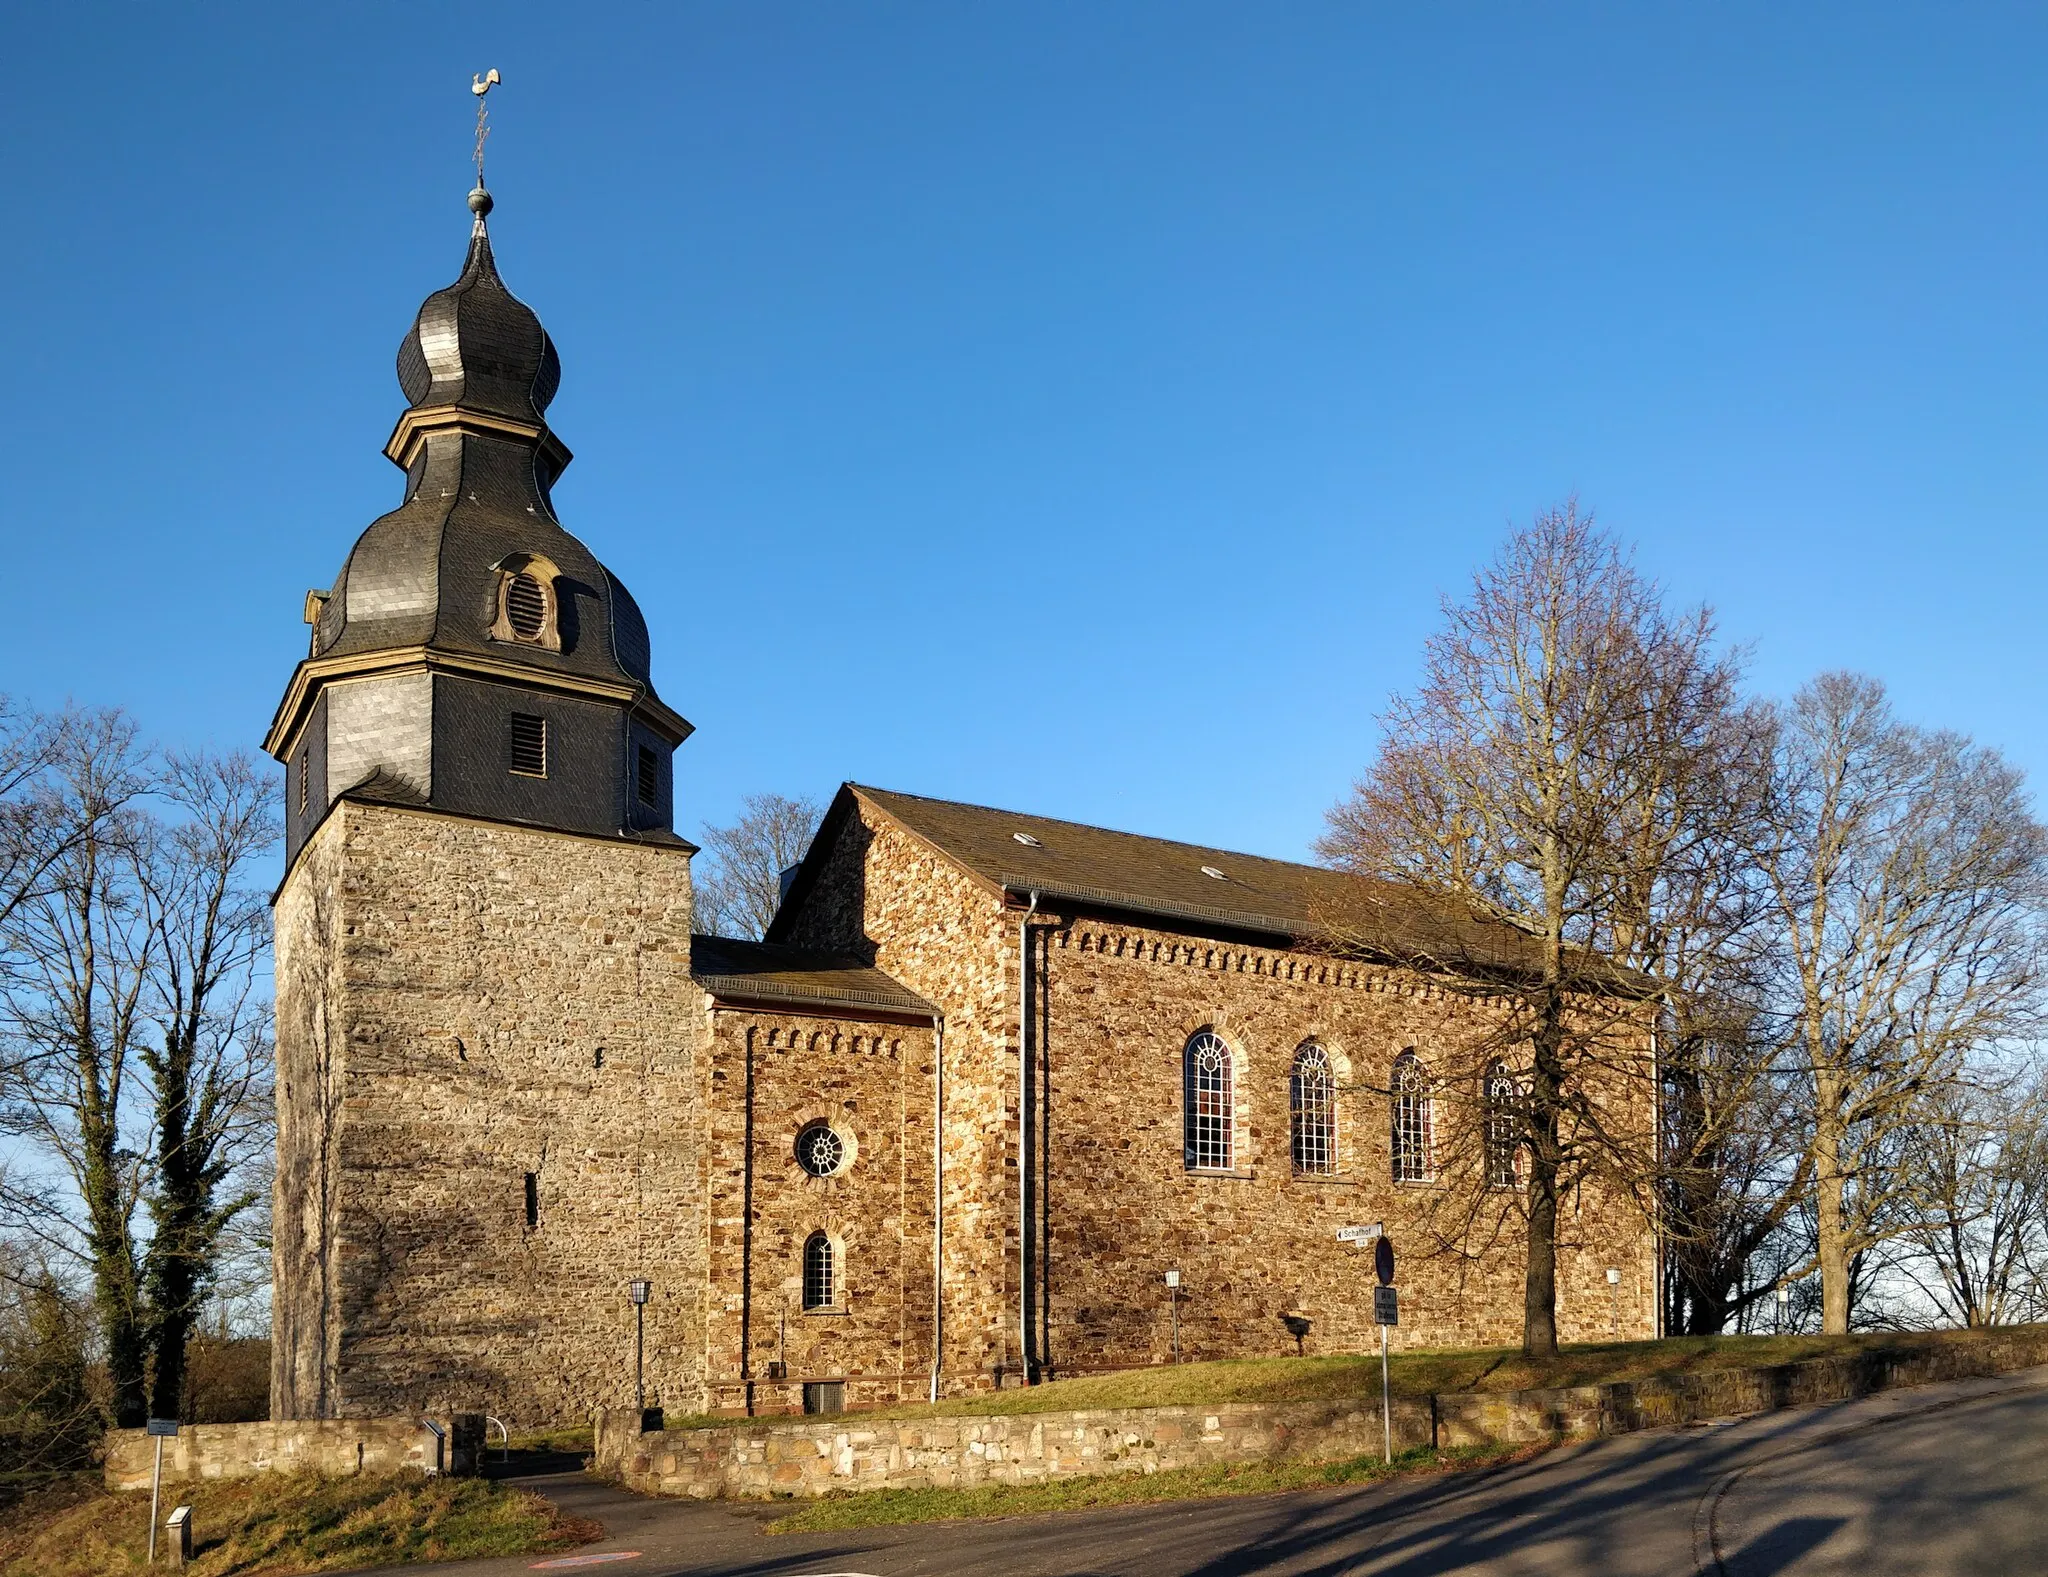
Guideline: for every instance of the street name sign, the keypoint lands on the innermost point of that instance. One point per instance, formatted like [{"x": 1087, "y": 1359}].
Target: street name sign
[{"x": 1364, "y": 1234}]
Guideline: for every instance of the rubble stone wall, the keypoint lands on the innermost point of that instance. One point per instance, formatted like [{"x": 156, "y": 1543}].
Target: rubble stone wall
[
  {"x": 488, "y": 1121},
  {"x": 330, "y": 1447},
  {"x": 827, "y": 1456},
  {"x": 888, "y": 898},
  {"x": 772, "y": 1075},
  {"x": 1114, "y": 1003}
]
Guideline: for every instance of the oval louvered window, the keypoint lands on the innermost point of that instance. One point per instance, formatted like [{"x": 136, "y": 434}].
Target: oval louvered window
[{"x": 526, "y": 606}]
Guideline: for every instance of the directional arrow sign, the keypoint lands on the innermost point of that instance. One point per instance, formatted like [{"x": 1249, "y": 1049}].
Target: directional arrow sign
[{"x": 1364, "y": 1234}]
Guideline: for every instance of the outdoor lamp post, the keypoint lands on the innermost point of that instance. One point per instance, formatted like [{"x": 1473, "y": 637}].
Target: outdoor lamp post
[{"x": 639, "y": 1290}]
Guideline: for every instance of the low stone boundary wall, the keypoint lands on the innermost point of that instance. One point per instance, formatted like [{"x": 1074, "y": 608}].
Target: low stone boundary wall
[
  {"x": 332, "y": 1447},
  {"x": 758, "y": 1458}
]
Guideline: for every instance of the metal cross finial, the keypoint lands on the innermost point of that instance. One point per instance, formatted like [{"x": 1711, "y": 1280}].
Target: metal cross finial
[{"x": 480, "y": 86}]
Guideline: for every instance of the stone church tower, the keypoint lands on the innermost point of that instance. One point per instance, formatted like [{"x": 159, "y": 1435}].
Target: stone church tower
[{"x": 484, "y": 931}]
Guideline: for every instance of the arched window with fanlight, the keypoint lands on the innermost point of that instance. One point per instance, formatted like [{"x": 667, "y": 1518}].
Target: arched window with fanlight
[
  {"x": 528, "y": 611},
  {"x": 1210, "y": 1103},
  {"x": 1502, "y": 1102},
  {"x": 1414, "y": 1120},
  {"x": 821, "y": 1273},
  {"x": 1312, "y": 1112}
]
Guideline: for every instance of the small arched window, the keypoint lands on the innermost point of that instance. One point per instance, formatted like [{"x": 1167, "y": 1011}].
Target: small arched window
[
  {"x": 1413, "y": 1112},
  {"x": 1312, "y": 1108},
  {"x": 1503, "y": 1095},
  {"x": 1210, "y": 1103},
  {"x": 527, "y": 613},
  {"x": 821, "y": 1273}
]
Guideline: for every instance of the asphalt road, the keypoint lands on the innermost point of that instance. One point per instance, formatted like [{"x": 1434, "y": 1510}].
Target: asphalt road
[{"x": 1949, "y": 1479}]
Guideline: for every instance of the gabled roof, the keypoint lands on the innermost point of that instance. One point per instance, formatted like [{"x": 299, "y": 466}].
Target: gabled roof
[
  {"x": 765, "y": 972},
  {"x": 1100, "y": 868}
]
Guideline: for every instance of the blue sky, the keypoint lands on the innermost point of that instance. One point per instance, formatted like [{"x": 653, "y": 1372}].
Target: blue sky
[{"x": 1073, "y": 407}]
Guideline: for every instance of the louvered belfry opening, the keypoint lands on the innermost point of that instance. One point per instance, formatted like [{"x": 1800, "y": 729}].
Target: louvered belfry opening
[
  {"x": 526, "y": 606},
  {"x": 529, "y": 745},
  {"x": 648, "y": 775}
]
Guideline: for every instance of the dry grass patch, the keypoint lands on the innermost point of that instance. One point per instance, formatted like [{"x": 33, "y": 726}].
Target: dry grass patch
[
  {"x": 1352, "y": 1376},
  {"x": 280, "y": 1524}
]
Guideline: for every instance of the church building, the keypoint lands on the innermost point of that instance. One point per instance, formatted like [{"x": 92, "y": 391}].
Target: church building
[{"x": 999, "y": 1098}]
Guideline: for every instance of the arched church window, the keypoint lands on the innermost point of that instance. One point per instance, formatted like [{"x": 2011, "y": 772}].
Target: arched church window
[
  {"x": 821, "y": 1278},
  {"x": 1210, "y": 1103},
  {"x": 1503, "y": 1095},
  {"x": 1312, "y": 1112},
  {"x": 1414, "y": 1119}
]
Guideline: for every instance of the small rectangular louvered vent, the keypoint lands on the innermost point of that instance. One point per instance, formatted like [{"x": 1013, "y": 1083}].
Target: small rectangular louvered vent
[
  {"x": 649, "y": 775},
  {"x": 529, "y": 745}
]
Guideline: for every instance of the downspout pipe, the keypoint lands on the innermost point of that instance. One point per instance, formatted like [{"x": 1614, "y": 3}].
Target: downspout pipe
[
  {"x": 1024, "y": 1140},
  {"x": 938, "y": 1199}
]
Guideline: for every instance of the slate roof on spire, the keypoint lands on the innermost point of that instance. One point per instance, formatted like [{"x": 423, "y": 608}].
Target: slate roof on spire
[
  {"x": 425, "y": 575},
  {"x": 478, "y": 346}
]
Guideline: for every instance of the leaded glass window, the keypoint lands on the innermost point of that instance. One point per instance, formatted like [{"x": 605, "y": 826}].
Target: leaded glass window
[
  {"x": 821, "y": 1281},
  {"x": 1503, "y": 1141},
  {"x": 1211, "y": 1109},
  {"x": 1413, "y": 1119},
  {"x": 820, "y": 1150},
  {"x": 1312, "y": 1106}
]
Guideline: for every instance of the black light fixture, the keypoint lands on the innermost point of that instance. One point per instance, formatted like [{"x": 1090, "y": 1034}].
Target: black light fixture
[{"x": 639, "y": 1291}]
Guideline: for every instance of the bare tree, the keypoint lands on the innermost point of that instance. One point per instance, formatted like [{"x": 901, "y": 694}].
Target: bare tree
[
  {"x": 1559, "y": 771},
  {"x": 1906, "y": 875},
  {"x": 210, "y": 1059},
  {"x": 1977, "y": 1246},
  {"x": 740, "y": 885},
  {"x": 129, "y": 1017},
  {"x": 49, "y": 1419},
  {"x": 29, "y": 844},
  {"x": 74, "y": 1015}
]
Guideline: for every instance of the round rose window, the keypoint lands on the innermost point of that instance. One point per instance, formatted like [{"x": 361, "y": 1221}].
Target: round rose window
[{"x": 820, "y": 1151}]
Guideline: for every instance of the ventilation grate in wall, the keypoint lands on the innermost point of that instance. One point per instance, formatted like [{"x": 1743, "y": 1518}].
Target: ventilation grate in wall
[
  {"x": 529, "y": 745},
  {"x": 526, "y": 607}
]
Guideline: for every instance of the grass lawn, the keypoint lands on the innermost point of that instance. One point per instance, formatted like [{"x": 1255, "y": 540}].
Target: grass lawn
[
  {"x": 278, "y": 1524},
  {"x": 1417, "y": 1374},
  {"x": 876, "y": 1508}
]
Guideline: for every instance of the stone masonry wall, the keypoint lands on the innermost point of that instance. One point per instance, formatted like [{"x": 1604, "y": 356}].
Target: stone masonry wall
[
  {"x": 771, "y": 1075},
  {"x": 834, "y": 1456},
  {"x": 330, "y": 1447},
  {"x": 1114, "y": 1005},
  {"x": 889, "y": 899},
  {"x": 489, "y": 1121},
  {"x": 1257, "y": 1245},
  {"x": 306, "y": 1237}
]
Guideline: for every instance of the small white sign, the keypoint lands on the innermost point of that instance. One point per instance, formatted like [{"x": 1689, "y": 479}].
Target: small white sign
[
  {"x": 1173, "y": 1278},
  {"x": 1364, "y": 1234}
]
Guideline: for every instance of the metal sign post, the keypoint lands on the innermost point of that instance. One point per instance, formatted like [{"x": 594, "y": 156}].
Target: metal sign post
[
  {"x": 160, "y": 1429},
  {"x": 1386, "y": 1311},
  {"x": 1173, "y": 1292}
]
